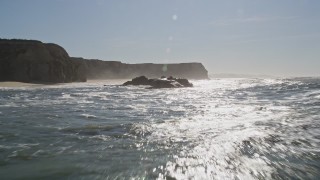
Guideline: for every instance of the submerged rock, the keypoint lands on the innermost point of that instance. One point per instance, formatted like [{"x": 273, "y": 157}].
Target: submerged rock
[{"x": 160, "y": 83}]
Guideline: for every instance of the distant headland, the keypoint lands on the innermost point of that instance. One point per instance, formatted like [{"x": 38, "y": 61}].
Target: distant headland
[{"x": 34, "y": 61}]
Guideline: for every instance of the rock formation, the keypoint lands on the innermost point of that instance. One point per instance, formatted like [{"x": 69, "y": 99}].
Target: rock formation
[
  {"x": 159, "y": 83},
  {"x": 34, "y": 61},
  {"x": 182, "y": 70},
  {"x": 98, "y": 69}
]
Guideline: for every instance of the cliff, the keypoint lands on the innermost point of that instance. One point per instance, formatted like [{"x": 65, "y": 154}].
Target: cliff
[
  {"x": 98, "y": 69},
  {"x": 34, "y": 61}
]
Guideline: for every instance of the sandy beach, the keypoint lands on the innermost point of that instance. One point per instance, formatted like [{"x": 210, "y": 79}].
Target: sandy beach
[{"x": 17, "y": 84}]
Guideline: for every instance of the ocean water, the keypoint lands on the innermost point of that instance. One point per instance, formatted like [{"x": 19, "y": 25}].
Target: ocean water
[{"x": 219, "y": 129}]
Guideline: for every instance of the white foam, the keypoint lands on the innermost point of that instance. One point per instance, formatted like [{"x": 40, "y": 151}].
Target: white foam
[
  {"x": 214, "y": 135},
  {"x": 88, "y": 116}
]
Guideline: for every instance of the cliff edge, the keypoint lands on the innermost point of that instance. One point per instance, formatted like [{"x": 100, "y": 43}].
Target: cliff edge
[
  {"x": 98, "y": 69},
  {"x": 34, "y": 61}
]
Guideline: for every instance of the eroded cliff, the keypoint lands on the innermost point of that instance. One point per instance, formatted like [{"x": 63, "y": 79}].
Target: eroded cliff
[
  {"x": 34, "y": 61},
  {"x": 98, "y": 69}
]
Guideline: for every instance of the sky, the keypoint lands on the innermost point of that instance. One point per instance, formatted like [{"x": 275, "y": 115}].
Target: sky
[{"x": 271, "y": 37}]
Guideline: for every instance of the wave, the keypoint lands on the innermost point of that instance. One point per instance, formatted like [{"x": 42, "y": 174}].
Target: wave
[{"x": 246, "y": 128}]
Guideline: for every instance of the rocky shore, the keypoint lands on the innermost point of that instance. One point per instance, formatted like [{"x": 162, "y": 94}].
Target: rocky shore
[
  {"x": 162, "y": 82},
  {"x": 33, "y": 61}
]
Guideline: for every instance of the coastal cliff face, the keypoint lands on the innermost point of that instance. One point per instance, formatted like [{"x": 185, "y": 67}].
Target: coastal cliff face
[
  {"x": 98, "y": 69},
  {"x": 34, "y": 61}
]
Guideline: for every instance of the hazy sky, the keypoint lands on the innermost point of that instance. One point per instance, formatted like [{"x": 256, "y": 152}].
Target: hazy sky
[{"x": 276, "y": 37}]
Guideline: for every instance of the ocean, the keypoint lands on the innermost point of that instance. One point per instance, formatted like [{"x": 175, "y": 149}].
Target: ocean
[{"x": 247, "y": 128}]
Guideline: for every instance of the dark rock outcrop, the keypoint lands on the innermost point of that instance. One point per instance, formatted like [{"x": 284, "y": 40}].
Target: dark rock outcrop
[
  {"x": 159, "y": 83},
  {"x": 34, "y": 61}
]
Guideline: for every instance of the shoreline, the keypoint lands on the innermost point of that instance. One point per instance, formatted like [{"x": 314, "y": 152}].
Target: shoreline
[
  {"x": 18, "y": 84},
  {"x": 15, "y": 84}
]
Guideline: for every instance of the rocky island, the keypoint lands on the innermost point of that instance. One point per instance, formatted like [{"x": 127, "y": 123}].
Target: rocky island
[
  {"x": 163, "y": 82},
  {"x": 35, "y": 61}
]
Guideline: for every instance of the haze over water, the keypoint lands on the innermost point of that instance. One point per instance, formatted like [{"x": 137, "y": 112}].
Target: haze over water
[{"x": 220, "y": 129}]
